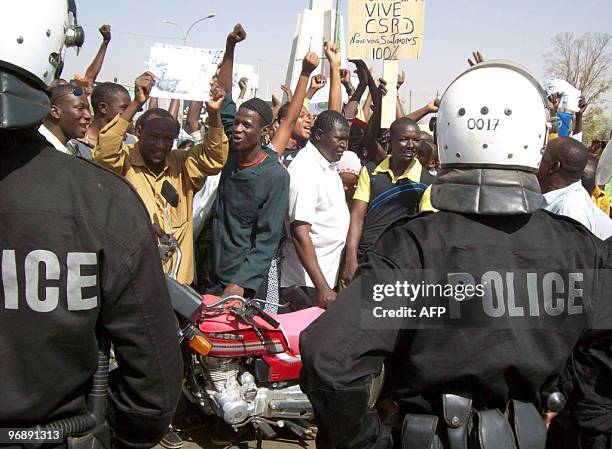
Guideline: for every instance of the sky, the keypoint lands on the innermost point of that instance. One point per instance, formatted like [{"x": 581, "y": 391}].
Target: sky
[{"x": 520, "y": 30}]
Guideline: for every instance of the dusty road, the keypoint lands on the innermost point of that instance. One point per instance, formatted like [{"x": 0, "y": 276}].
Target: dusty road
[{"x": 201, "y": 438}]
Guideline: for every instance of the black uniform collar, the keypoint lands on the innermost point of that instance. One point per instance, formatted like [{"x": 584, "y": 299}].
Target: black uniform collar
[{"x": 486, "y": 191}]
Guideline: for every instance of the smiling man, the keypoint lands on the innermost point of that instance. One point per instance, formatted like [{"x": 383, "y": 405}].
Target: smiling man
[
  {"x": 396, "y": 187},
  {"x": 150, "y": 162},
  {"x": 68, "y": 119},
  {"x": 107, "y": 101},
  {"x": 318, "y": 216}
]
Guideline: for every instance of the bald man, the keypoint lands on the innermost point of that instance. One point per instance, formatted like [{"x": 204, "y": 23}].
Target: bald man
[{"x": 560, "y": 175}]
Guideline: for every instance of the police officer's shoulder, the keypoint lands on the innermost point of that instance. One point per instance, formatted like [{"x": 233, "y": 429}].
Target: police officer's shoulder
[
  {"x": 568, "y": 224},
  {"x": 402, "y": 234},
  {"x": 101, "y": 186}
]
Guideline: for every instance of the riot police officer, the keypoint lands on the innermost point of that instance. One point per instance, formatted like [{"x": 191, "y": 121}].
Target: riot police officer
[
  {"x": 475, "y": 309},
  {"x": 79, "y": 264}
]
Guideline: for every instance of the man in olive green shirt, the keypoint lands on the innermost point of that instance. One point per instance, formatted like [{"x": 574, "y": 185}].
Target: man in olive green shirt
[{"x": 151, "y": 161}]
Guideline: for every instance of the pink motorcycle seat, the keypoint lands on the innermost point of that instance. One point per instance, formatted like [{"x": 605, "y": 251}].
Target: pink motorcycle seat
[
  {"x": 292, "y": 324},
  {"x": 295, "y": 322}
]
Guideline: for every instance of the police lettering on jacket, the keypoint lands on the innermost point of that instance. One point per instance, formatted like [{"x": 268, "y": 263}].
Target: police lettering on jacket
[{"x": 41, "y": 279}]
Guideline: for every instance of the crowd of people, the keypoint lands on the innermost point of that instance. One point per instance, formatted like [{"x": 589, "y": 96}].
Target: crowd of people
[
  {"x": 294, "y": 235},
  {"x": 278, "y": 204}
]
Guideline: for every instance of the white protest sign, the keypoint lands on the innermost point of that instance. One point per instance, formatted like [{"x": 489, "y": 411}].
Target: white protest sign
[
  {"x": 248, "y": 72},
  {"x": 386, "y": 29},
  {"x": 183, "y": 72},
  {"x": 571, "y": 95}
]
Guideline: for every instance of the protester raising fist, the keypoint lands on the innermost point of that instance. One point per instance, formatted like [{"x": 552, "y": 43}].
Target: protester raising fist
[
  {"x": 332, "y": 53},
  {"x": 105, "y": 31},
  {"x": 237, "y": 35},
  {"x": 310, "y": 63},
  {"x": 317, "y": 82},
  {"x": 216, "y": 99},
  {"x": 143, "y": 86}
]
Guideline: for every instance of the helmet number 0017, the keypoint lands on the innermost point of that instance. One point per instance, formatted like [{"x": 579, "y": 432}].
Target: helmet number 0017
[{"x": 480, "y": 124}]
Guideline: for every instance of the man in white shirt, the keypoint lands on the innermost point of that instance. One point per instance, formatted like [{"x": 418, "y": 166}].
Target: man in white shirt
[
  {"x": 68, "y": 119},
  {"x": 559, "y": 175},
  {"x": 318, "y": 217}
]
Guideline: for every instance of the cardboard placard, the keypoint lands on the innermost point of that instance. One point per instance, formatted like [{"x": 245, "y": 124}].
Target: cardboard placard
[
  {"x": 385, "y": 29},
  {"x": 389, "y": 101},
  {"x": 183, "y": 72}
]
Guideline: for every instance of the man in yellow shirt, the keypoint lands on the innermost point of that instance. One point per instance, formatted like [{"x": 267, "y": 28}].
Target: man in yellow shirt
[
  {"x": 598, "y": 195},
  {"x": 151, "y": 161},
  {"x": 396, "y": 187}
]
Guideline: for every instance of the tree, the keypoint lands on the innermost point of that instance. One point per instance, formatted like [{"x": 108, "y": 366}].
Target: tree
[
  {"x": 597, "y": 125},
  {"x": 585, "y": 62}
]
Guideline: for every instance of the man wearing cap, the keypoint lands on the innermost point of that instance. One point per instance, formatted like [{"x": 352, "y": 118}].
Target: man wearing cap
[{"x": 251, "y": 203}]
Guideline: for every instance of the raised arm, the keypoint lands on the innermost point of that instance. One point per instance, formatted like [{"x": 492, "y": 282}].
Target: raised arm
[
  {"x": 173, "y": 108},
  {"x": 287, "y": 90},
  {"x": 283, "y": 133},
  {"x": 399, "y": 110},
  {"x": 332, "y": 52},
  {"x": 209, "y": 156},
  {"x": 153, "y": 103},
  {"x": 345, "y": 79},
  {"x": 372, "y": 146},
  {"x": 194, "y": 110},
  {"x": 109, "y": 150},
  {"x": 429, "y": 108},
  {"x": 367, "y": 106},
  {"x": 96, "y": 65},
  {"x": 242, "y": 84},
  {"x": 582, "y": 105},
  {"x": 226, "y": 71},
  {"x": 352, "y": 107},
  {"x": 276, "y": 105},
  {"x": 317, "y": 83}
]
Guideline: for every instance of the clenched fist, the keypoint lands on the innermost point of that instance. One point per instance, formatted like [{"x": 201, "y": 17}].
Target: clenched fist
[
  {"x": 310, "y": 63},
  {"x": 142, "y": 87},
  {"x": 237, "y": 35}
]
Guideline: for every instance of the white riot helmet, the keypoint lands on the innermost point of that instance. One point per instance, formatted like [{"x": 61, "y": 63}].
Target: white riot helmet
[
  {"x": 34, "y": 35},
  {"x": 492, "y": 129},
  {"x": 493, "y": 115}
]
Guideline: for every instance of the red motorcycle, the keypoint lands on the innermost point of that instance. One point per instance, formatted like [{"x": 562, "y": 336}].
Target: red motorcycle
[{"x": 243, "y": 364}]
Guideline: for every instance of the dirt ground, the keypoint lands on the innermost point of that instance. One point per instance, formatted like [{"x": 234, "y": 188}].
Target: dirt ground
[{"x": 226, "y": 439}]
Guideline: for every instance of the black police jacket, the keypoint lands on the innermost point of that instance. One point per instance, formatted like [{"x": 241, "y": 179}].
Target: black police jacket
[
  {"x": 538, "y": 282},
  {"x": 78, "y": 258}
]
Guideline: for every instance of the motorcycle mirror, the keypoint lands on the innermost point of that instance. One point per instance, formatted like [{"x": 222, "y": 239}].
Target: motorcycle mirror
[{"x": 170, "y": 194}]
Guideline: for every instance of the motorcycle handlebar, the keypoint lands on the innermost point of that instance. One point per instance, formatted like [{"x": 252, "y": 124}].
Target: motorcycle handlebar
[
  {"x": 258, "y": 310},
  {"x": 267, "y": 318}
]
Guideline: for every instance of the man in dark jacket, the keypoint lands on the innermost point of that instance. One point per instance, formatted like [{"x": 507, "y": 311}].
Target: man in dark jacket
[
  {"x": 249, "y": 210},
  {"x": 474, "y": 309},
  {"x": 79, "y": 262}
]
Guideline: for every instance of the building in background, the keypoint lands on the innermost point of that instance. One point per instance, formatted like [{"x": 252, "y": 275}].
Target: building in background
[{"x": 321, "y": 22}]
